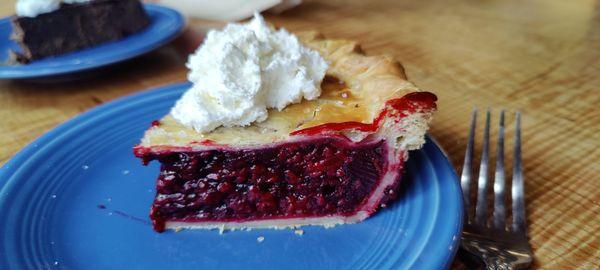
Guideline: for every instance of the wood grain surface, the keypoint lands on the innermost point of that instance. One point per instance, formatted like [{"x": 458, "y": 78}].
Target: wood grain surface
[{"x": 541, "y": 57}]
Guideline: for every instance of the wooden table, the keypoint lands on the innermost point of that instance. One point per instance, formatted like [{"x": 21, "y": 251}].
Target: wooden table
[{"x": 540, "y": 57}]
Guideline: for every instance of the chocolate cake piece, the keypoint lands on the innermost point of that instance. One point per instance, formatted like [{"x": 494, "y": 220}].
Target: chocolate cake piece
[{"x": 77, "y": 26}]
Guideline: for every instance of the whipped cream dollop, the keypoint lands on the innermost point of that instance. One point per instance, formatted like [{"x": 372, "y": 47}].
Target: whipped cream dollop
[
  {"x": 243, "y": 70},
  {"x": 32, "y": 8}
]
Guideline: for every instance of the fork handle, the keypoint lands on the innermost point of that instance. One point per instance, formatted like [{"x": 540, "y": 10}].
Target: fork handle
[
  {"x": 504, "y": 261},
  {"x": 500, "y": 260},
  {"x": 496, "y": 263}
]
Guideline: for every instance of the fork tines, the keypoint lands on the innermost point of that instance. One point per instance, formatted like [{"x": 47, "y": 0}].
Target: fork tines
[{"x": 498, "y": 217}]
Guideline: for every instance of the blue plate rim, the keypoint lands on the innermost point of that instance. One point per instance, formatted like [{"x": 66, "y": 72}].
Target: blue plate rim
[
  {"x": 15, "y": 163},
  {"x": 459, "y": 210},
  {"x": 21, "y": 72}
]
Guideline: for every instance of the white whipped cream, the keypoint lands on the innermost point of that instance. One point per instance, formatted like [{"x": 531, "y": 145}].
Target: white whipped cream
[
  {"x": 32, "y": 8},
  {"x": 244, "y": 69}
]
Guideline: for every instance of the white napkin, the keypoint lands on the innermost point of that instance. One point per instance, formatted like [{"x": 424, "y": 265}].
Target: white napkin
[{"x": 227, "y": 10}]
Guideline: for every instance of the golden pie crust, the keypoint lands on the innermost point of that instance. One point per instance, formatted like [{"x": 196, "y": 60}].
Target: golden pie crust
[{"x": 355, "y": 89}]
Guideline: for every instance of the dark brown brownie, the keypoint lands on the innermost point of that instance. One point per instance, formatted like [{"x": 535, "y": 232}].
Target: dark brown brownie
[{"x": 76, "y": 26}]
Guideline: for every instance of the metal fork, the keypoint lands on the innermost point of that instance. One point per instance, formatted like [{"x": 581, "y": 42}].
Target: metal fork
[{"x": 498, "y": 245}]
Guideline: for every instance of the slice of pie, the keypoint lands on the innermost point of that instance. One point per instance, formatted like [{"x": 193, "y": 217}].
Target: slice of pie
[
  {"x": 329, "y": 161},
  {"x": 76, "y": 26}
]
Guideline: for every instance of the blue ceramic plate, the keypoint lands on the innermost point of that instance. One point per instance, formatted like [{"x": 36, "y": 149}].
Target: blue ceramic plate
[
  {"x": 77, "y": 198},
  {"x": 165, "y": 25}
]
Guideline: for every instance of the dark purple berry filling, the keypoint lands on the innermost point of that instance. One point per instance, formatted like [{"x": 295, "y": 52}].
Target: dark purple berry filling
[{"x": 301, "y": 179}]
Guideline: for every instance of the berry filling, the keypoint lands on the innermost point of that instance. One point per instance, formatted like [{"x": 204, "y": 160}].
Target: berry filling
[{"x": 315, "y": 178}]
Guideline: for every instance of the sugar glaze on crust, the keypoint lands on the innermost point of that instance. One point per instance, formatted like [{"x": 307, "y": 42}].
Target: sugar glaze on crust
[{"x": 355, "y": 89}]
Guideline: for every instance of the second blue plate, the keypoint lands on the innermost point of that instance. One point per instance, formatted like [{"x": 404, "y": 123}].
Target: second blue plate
[{"x": 165, "y": 25}]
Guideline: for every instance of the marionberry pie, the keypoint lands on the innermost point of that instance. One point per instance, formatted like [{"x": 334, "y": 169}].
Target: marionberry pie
[{"x": 329, "y": 161}]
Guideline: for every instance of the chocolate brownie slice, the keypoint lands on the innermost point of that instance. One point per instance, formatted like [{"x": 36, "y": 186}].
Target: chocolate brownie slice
[{"x": 77, "y": 26}]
